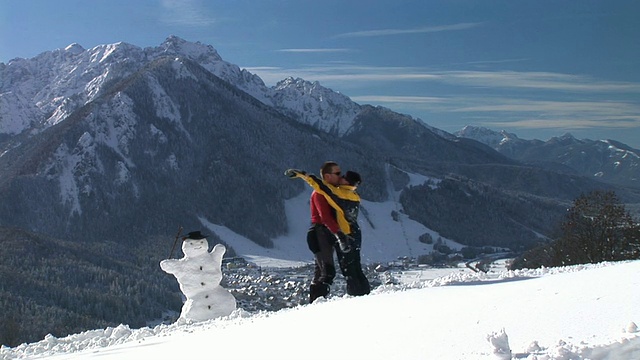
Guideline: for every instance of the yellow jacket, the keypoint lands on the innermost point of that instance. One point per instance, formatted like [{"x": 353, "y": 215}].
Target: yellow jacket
[{"x": 343, "y": 199}]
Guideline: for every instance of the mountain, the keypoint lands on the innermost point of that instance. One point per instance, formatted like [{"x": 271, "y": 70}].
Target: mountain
[
  {"x": 113, "y": 148},
  {"x": 119, "y": 138},
  {"x": 608, "y": 161},
  {"x": 40, "y": 92}
]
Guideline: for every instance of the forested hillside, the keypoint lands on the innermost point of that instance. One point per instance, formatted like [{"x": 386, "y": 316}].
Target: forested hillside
[{"x": 62, "y": 287}]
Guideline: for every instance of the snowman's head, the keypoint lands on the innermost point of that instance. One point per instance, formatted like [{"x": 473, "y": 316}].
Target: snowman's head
[{"x": 194, "y": 247}]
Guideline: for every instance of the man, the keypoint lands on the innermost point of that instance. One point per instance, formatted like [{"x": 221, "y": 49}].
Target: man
[{"x": 321, "y": 237}]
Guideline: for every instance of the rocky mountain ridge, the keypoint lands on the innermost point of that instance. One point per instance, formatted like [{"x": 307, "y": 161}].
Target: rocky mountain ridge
[
  {"x": 605, "y": 160},
  {"x": 40, "y": 92}
]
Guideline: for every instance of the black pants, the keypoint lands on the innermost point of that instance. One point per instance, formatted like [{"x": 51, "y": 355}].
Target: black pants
[
  {"x": 351, "y": 266},
  {"x": 322, "y": 244}
]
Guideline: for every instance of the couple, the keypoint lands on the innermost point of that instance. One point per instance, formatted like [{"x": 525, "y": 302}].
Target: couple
[{"x": 334, "y": 217}]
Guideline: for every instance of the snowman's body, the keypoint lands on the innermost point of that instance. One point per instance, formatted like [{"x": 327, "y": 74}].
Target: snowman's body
[{"x": 199, "y": 274}]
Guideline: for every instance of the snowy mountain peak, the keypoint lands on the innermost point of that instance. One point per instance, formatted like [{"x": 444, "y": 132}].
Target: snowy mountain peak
[
  {"x": 74, "y": 48},
  {"x": 298, "y": 83},
  {"x": 315, "y": 105},
  {"x": 195, "y": 50},
  {"x": 486, "y": 136},
  {"x": 567, "y": 136},
  {"x": 308, "y": 88},
  {"x": 565, "y": 139},
  {"x": 115, "y": 53}
]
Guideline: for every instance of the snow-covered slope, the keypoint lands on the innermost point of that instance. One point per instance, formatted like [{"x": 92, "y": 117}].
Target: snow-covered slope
[{"x": 572, "y": 313}]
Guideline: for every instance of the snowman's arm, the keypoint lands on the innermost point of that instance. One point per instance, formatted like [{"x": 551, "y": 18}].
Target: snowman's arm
[
  {"x": 169, "y": 265},
  {"x": 217, "y": 253}
]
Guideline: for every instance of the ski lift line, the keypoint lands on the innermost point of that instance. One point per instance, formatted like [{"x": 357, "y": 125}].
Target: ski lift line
[{"x": 398, "y": 208}]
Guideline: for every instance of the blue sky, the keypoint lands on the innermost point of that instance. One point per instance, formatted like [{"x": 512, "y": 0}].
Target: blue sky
[{"x": 537, "y": 68}]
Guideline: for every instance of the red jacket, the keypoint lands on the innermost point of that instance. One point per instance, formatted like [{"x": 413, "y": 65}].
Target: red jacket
[{"x": 322, "y": 213}]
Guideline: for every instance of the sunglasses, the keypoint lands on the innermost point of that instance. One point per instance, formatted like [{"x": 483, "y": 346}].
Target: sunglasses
[{"x": 336, "y": 173}]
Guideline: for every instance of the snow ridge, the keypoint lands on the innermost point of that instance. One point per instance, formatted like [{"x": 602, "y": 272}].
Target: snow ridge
[{"x": 40, "y": 92}]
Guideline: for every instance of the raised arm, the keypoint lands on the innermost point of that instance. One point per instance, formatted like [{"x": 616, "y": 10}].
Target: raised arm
[
  {"x": 333, "y": 194},
  {"x": 169, "y": 265}
]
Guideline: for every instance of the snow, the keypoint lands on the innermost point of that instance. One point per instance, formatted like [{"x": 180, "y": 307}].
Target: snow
[
  {"x": 65, "y": 164},
  {"x": 288, "y": 251},
  {"x": 163, "y": 104},
  {"x": 15, "y": 112},
  {"x": 578, "y": 312}
]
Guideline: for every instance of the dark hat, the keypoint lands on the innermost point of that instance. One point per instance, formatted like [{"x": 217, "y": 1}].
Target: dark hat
[
  {"x": 194, "y": 235},
  {"x": 353, "y": 178}
]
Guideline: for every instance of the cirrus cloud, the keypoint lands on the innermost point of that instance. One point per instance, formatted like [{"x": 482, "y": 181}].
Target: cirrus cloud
[
  {"x": 185, "y": 13},
  {"x": 420, "y": 30}
]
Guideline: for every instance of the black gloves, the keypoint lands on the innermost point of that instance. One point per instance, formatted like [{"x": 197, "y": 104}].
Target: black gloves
[
  {"x": 344, "y": 241},
  {"x": 292, "y": 173}
]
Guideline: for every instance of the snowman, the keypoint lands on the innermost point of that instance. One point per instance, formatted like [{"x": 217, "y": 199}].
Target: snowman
[{"x": 199, "y": 274}]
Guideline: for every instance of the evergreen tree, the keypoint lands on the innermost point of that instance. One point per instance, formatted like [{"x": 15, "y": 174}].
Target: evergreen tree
[{"x": 596, "y": 228}]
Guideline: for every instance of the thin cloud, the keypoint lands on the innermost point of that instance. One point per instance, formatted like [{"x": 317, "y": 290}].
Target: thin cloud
[
  {"x": 536, "y": 80},
  {"x": 313, "y": 50},
  {"x": 390, "y": 32},
  {"x": 568, "y": 123},
  {"x": 399, "y": 99},
  {"x": 344, "y": 74},
  {"x": 573, "y": 107},
  {"x": 496, "y": 80},
  {"x": 529, "y": 114},
  {"x": 185, "y": 13},
  {"x": 501, "y": 61}
]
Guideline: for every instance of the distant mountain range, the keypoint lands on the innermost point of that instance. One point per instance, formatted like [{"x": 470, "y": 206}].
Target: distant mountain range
[
  {"x": 110, "y": 148},
  {"x": 605, "y": 160}
]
